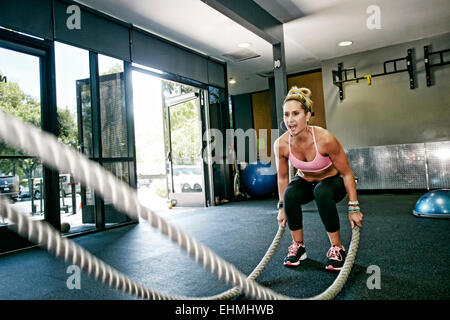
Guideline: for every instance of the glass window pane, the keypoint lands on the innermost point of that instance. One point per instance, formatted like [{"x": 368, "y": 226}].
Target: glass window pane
[
  {"x": 108, "y": 65},
  {"x": 20, "y": 90},
  {"x": 148, "y": 124},
  {"x": 21, "y": 181},
  {"x": 74, "y": 129},
  {"x": 112, "y": 108},
  {"x": 73, "y": 95}
]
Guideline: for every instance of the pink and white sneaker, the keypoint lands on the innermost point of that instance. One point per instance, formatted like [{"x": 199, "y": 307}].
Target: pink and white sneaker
[
  {"x": 336, "y": 258},
  {"x": 297, "y": 252}
]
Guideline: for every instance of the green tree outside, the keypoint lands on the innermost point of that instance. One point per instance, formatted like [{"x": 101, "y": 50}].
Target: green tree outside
[
  {"x": 185, "y": 130},
  {"x": 19, "y": 104}
]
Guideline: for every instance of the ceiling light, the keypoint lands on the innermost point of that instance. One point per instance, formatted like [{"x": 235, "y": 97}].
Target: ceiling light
[
  {"x": 232, "y": 81},
  {"x": 345, "y": 43},
  {"x": 244, "y": 45}
]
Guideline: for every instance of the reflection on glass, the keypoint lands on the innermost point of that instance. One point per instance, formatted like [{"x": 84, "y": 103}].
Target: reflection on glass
[
  {"x": 112, "y": 108},
  {"x": 74, "y": 129}
]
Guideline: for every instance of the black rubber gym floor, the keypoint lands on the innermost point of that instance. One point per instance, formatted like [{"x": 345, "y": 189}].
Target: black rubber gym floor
[{"x": 412, "y": 254}]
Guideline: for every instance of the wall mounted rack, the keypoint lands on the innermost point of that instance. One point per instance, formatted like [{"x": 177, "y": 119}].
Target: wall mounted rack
[
  {"x": 427, "y": 54},
  {"x": 340, "y": 76}
]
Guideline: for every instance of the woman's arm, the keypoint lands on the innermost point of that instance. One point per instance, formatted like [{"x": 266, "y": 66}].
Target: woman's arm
[
  {"x": 282, "y": 176},
  {"x": 341, "y": 163}
]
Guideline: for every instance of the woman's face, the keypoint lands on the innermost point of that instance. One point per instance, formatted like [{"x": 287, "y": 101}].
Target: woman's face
[{"x": 294, "y": 117}]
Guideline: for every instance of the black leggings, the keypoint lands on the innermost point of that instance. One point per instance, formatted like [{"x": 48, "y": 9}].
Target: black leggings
[{"x": 327, "y": 193}]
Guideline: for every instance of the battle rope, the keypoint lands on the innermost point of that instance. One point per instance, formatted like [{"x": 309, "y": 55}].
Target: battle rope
[{"x": 64, "y": 159}]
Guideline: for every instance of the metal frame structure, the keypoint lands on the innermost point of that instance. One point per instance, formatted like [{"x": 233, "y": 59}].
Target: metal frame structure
[
  {"x": 428, "y": 64},
  {"x": 340, "y": 76}
]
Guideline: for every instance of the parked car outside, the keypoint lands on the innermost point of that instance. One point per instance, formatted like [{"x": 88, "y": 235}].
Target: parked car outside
[
  {"x": 9, "y": 186},
  {"x": 144, "y": 183},
  {"x": 25, "y": 190},
  {"x": 188, "y": 178},
  {"x": 65, "y": 187}
]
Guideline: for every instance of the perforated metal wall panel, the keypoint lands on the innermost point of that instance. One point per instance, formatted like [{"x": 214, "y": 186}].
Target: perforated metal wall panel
[
  {"x": 409, "y": 171},
  {"x": 438, "y": 162},
  {"x": 364, "y": 168},
  {"x": 403, "y": 166}
]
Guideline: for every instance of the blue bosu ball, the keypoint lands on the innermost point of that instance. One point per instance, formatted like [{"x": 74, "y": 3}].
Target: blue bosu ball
[
  {"x": 259, "y": 179},
  {"x": 433, "y": 204}
]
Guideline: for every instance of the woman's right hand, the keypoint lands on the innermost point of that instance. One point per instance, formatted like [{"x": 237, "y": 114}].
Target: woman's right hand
[{"x": 281, "y": 217}]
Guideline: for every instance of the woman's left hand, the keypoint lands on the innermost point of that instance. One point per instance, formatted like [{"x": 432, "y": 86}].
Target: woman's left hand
[{"x": 355, "y": 218}]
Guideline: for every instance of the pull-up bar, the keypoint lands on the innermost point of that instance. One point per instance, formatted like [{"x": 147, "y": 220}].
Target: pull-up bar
[{"x": 340, "y": 76}]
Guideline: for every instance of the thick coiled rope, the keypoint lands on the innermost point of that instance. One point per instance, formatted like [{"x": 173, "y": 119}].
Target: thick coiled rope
[
  {"x": 258, "y": 269},
  {"x": 64, "y": 159},
  {"x": 47, "y": 237}
]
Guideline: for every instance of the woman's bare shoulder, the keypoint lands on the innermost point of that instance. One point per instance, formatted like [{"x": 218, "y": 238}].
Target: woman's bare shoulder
[
  {"x": 282, "y": 143},
  {"x": 325, "y": 139},
  {"x": 323, "y": 134}
]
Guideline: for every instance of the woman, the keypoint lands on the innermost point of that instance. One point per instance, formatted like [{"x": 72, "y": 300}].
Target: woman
[{"x": 323, "y": 174}]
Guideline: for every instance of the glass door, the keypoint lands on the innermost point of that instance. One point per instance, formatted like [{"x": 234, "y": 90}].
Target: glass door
[
  {"x": 87, "y": 218},
  {"x": 185, "y": 166}
]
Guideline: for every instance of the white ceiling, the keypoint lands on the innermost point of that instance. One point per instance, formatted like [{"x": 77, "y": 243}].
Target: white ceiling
[{"x": 312, "y": 29}]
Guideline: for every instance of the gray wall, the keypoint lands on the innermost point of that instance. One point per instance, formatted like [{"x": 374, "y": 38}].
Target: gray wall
[{"x": 388, "y": 111}]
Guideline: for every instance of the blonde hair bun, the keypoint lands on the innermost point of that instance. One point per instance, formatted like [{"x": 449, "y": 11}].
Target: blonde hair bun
[
  {"x": 302, "y": 95},
  {"x": 305, "y": 92}
]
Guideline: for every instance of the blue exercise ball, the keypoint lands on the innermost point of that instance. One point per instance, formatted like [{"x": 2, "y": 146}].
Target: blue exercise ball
[
  {"x": 433, "y": 204},
  {"x": 259, "y": 179}
]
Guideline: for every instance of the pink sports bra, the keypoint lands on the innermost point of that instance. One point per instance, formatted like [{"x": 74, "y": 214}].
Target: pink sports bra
[{"x": 319, "y": 163}]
